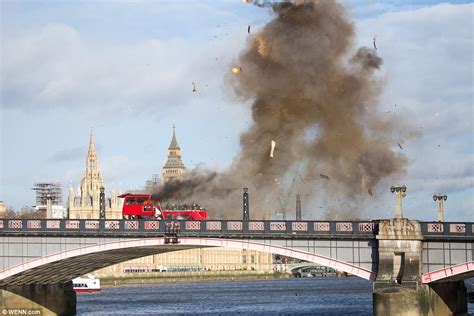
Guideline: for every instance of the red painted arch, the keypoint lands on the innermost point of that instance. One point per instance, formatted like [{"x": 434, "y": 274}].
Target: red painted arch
[
  {"x": 195, "y": 243},
  {"x": 449, "y": 272}
]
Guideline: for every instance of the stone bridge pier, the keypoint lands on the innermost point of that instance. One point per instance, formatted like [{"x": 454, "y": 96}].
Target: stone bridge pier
[
  {"x": 49, "y": 299},
  {"x": 398, "y": 290}
]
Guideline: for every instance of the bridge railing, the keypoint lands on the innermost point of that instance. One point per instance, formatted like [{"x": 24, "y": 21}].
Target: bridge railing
[
  {"x": 189, "y": 228},
  {"x": 451, "y": 229},
  {"x": 221, "y": 227}
]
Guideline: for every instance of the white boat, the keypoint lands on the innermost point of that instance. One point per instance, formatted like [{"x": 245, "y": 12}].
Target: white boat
[{"x": 86, "y": 285}]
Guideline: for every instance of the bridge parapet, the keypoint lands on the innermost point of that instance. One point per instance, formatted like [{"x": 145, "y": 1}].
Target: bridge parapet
[
  {"x": 432, "y": 230},
  {"x": 254, "y": 229},
  {"x": 294, "y": 229}
]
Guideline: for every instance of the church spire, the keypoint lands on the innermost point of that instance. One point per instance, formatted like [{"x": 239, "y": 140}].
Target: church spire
[
  {"x": 92, "y": 180},
  {"x": 91, "y": 144},
  {"x": 174, "y": 142},
  {"x": 92, "y": 166}
]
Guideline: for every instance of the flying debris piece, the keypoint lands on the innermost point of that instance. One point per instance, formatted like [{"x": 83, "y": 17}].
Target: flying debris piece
[
  {"x": 248, "y": 29},
  {"x": 236, "y": 70},
  {"x": 375, "y": 46},
  {"x": 245, "y": 1},
  {"x": 399, "y": 145},
  {"x": 388, "y": 111},
  {"x": 194, "y": 87},
  {"x": 323, "y": 176},
  {"x": 369, "y": 191},
  {"x": 272, "y": 144}
]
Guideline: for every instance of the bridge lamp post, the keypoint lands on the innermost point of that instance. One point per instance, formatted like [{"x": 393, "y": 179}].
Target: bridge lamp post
[
  {"x": 245, "y": 205},
  {"x": 400, "y": 192},
  {"x": 439, "y": 199},
  {"x": 298, "y": 207},
  {"x": 102, "y": 203}
]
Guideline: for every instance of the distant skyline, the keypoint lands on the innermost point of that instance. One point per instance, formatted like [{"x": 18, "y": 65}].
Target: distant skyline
[{"x": 125, "y": 68}]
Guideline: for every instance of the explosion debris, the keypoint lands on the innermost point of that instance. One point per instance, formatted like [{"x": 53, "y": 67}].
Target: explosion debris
[
  {"x": 236, "y": 70},
  {"x": 375, "y": 46},
  {"x": 194, "y": 87},
  {"x": 272, "y": 147},
  {"x": 302, "y": 75}
]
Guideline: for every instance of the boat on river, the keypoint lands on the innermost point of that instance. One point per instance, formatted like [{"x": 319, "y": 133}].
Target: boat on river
[{"x": 86, "y": 285}]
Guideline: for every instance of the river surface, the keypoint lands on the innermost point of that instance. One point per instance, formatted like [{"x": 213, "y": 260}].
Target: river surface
[{"x": 305, "y": 296}]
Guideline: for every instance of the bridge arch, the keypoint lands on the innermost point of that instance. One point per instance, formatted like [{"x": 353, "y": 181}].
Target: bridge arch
[
  {"x": 452, "y": 273},
  {"x": 66, "y": 265},
  {"x": 302, "y": 265}
]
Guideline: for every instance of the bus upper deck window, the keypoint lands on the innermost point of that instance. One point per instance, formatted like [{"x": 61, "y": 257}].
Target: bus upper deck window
[{"x": 130, "y": 201}]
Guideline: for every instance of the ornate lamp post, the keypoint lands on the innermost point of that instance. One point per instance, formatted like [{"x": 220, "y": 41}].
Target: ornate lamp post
[
  {"x": 102, "y": 203},
  {"x": 439, "y": 199},
  {"x": 400, "y": 192}
]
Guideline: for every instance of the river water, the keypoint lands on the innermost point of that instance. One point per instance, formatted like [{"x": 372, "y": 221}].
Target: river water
[{"x": 305, "y": 296}]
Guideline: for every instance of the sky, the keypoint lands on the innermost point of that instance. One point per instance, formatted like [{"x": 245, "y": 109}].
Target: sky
[{"x": 125, "y": 69}]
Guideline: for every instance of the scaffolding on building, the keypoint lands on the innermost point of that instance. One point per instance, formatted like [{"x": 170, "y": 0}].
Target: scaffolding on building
[{"x": 48, "y": 190}]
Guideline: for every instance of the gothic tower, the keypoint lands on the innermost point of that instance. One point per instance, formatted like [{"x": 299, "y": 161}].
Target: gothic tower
[
  {"x": 85, "y": 204},
  {"x": 92, "y": 181},
  {"x": 174, "y": 167}
]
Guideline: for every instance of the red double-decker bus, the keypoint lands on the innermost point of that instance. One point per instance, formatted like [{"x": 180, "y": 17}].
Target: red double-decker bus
[{"x": 136, "y": 206}]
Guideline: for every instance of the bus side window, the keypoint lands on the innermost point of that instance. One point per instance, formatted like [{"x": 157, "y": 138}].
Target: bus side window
[{"x": 130, "y": 201}]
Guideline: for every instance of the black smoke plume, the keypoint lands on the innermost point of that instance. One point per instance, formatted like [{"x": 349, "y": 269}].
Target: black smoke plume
[{"x": 316, "y": 97}]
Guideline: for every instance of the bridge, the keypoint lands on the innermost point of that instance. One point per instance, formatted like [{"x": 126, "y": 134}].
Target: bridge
[{"x": 414, "y": 265}]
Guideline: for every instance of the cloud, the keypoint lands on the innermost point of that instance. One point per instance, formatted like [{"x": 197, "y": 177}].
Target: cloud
[
  {"x": 70, "y": 154},
  {"x": 56, "y": 67}
]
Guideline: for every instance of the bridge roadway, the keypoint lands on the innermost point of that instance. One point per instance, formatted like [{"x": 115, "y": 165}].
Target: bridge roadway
[{"x": 50, "y": 251}]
